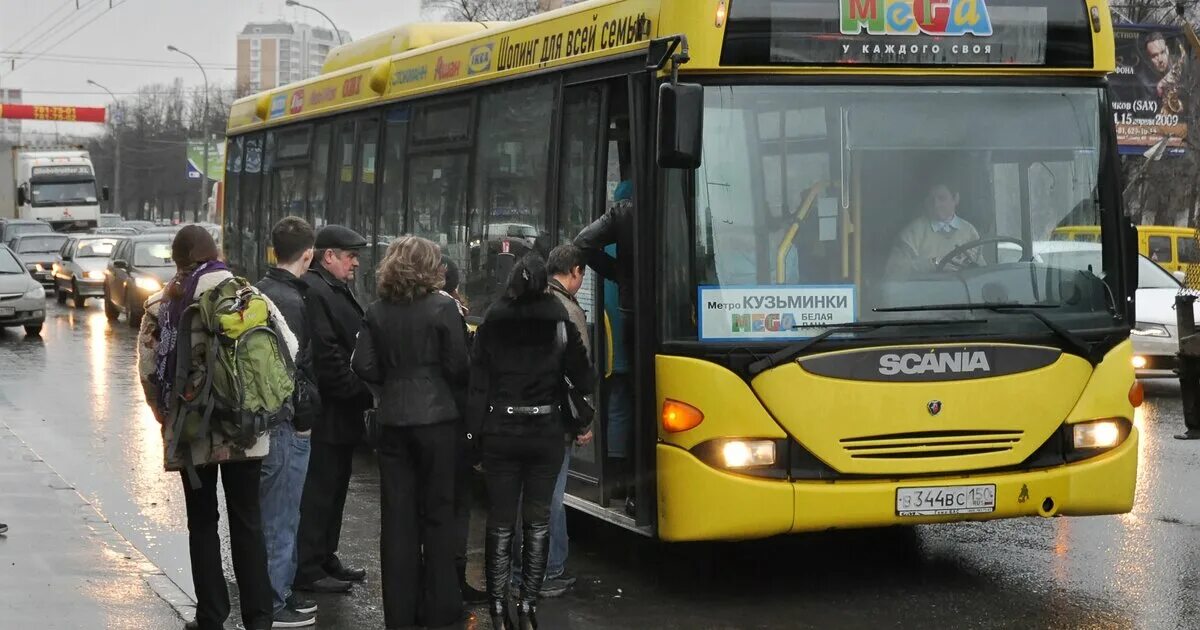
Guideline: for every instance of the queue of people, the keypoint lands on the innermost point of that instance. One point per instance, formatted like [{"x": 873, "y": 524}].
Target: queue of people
[{"x": 436, "y": 405}]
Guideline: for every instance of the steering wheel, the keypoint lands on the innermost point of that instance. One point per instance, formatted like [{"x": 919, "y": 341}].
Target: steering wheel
[{"x": 955, "y": 257}]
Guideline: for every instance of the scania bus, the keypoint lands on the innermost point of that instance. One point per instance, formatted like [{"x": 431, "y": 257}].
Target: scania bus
[{"x": 800, "y": 356}]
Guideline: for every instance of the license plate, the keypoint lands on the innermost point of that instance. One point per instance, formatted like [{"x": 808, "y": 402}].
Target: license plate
[
  {"x": 7, "y": 311},
  {"x": 943, "y": 500}
]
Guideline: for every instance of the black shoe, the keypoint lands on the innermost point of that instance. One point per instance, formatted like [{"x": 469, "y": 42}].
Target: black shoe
[
  {"x": 326, "y": 584},
  {"x": 192, "y": 625},
  {"x": 339, "y": 571},
  {"x": 631, "y": 507},
  {"x": 556, "y": 587},
  {"x": 501, "y": 620},
  {"x": 3, "y": 528},
  {"x": 288, "y": 618},
  {"x": 300, "y": 605}
]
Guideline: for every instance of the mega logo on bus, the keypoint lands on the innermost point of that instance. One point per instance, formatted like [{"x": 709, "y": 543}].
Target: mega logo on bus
[{"x": 952, "y": 18}]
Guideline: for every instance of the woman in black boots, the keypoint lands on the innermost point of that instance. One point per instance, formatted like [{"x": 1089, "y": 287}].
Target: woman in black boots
[{"x": 522, "y": 349}]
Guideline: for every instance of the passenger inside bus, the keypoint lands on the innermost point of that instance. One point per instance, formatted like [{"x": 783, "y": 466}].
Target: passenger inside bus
[{"x": 934, "y": 235}]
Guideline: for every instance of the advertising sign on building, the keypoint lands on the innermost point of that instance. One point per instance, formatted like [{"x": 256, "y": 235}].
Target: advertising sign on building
[{"x": 1149, "y": 88}]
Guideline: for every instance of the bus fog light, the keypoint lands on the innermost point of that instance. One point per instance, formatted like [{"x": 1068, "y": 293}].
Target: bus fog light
[
  {"x": 748, "y": 453},
  {"x": 1139, "y": 362},
  {"x": 1100, "y": 434}
]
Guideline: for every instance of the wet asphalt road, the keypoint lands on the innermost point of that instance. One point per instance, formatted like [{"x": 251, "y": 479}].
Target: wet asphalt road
[{"x": 72, "y": 396}]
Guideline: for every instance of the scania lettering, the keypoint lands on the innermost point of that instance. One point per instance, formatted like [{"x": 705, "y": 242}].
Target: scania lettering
[{"x": 796, "y": 359}]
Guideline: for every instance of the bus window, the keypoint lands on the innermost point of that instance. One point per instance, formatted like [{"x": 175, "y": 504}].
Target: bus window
[
  {"x": 1160, "y": 249},
  {"x": 579, "y": 156},
  {"x": 511, "y": 181},
  {"x": 249, "y": 204},
  {"x": 1189, "y": 253},
  {"x": 342, "y": 197},
  {"x": 233, "y": 173},
  {"x": 320, "y": 176},
  {"x": 364, "y": 223},
  {"x": 391, "y": 212},
  {"x": 437, "y": 201}
]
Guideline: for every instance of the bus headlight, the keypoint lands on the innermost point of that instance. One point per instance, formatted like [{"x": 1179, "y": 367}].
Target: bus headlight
[
  {"x": 748, "y": 453},
  {"x": 1143, "y": 329},
  {"x": 1097, "y": 434},
  {"x": 1140, "y": 362}
]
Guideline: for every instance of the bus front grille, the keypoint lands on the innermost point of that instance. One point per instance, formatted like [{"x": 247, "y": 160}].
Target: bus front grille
[{"x": 930, "y": 444}]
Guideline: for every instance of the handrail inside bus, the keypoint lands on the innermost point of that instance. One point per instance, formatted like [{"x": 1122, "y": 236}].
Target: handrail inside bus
[{"x": 801, "y": 213}]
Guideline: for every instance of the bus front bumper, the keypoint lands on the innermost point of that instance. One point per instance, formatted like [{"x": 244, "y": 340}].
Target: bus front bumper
[{"x": 699, "y": 502}]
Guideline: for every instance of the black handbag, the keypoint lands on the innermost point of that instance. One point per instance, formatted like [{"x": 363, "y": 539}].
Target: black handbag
[{"x": 579, "y": 410}]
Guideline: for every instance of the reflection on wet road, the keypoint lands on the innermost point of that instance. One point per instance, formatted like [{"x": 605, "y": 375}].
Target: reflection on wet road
[{"x": 73, "y": 397}]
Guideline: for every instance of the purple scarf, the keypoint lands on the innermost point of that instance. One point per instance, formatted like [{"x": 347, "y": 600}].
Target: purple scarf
[{"x": 168, "y": 331}]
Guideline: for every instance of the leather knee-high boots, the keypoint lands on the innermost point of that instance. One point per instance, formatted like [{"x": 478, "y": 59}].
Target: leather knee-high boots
[
  {"x": 534, "y": 557},
  {"x": 498, "y": 552}
]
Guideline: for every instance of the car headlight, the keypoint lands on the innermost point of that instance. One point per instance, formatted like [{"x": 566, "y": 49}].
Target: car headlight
[
  {"x": 147, "y": 283},
  {"x": 1143, "y": 329},
  {"x": 1097, "y": 434},
  {"x": 748, "y": 453},
  {"x": 94, "y": 275},
  {"x": 35, "y": 292}
]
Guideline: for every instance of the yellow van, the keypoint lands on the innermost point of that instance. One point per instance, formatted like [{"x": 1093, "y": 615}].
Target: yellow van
[{"x": 1173, "y": 248}]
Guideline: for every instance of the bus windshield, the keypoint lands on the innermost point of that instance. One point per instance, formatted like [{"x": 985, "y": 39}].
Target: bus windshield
[
  {"x": 64, "y": 193},
  {"x": 820, "y": 206}
]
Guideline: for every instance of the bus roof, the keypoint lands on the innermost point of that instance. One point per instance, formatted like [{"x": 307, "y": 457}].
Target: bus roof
[{"x": 983, "y": 37}]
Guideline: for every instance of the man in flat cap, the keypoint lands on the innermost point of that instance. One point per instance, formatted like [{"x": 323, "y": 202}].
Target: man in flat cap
[{"x": 335, "y": 316}]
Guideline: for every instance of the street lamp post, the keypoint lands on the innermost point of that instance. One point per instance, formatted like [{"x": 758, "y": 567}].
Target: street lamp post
[
  {"x": 293, "y": 3},
  {"x": 204, "y": 169},
  {"x": 116, "y": 200}
]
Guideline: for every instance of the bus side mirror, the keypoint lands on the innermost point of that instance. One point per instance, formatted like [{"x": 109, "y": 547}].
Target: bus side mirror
[
  {"x": 104, "y": 193},
  {"x": 21, "y": 196},
  {"x": 680, "y": 125}
]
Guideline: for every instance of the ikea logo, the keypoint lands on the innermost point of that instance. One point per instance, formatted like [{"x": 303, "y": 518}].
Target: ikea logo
[
  {"x": 480, "y": 59},
  {"x": 953, "y": 18}
]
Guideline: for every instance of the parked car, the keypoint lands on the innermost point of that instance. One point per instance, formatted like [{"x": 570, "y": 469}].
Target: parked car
[
  {"x": 79, "y": 270},
  {"x": 114, "y": 231},
  {"x": 39, "y": 252},
  {"x": 162, "y": 229},
  {"x": 139, "y": 226},
  {"x": 12, "y": 228},
  {"x": 1155, "y": 334},
  {"x": 139, "y": 267},
  {"x": 110, "y": 220},
  {"x": 22, "y": 299}
]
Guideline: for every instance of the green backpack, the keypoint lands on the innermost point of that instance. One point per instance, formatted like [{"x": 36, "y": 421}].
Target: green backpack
[{"x": 239, "y": 375}]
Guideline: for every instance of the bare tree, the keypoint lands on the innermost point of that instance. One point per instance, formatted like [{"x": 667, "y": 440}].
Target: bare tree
[{"x": 489, "y": 10}]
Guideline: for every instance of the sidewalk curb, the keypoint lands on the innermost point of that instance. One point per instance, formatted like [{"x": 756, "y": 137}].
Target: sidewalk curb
[{"x": 158, "y": 581}]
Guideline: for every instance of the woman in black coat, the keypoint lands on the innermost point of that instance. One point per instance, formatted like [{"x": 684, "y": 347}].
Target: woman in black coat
[
  {"x": 518, "y": 360},
  {"x": 412, "y": 348}
]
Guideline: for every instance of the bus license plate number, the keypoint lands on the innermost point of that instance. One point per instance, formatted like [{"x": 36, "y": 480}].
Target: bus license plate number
[{"x": 943, "y": 500}]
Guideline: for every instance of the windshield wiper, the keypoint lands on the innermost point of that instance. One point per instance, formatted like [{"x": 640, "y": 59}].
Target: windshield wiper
[
  {"x": 796, "y": 349},
  {"x": 1077, "y": 345}
]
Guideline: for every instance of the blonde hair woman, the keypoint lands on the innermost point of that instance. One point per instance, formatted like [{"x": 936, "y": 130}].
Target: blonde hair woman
[{"x": 413, "y": 349}]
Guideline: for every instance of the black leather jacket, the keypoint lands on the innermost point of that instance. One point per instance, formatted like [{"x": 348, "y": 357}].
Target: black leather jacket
[
  {"x": 615, "y": 226},
  {"x": 416, "y": 353}
]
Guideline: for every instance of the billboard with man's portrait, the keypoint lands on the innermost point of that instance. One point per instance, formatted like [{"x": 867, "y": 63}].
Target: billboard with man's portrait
[{"x": 1149, "y": 88}]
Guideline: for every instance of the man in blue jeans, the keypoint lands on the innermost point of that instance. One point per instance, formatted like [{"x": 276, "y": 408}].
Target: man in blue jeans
[{"x": 285, "y": 467}]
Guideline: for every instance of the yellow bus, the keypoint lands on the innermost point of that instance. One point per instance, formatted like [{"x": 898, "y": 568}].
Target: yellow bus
[
  {"x": 1173, "y": 248},
  {"x": 822, "y": 332}
]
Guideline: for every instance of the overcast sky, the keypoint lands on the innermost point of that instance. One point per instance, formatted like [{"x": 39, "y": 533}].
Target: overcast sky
[{"x": 141, "y": 30}]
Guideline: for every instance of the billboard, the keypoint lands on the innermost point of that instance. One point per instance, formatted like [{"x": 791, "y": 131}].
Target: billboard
[
  {"x": 216, "y": 160},
  {"x": 1150, "y": 88}
]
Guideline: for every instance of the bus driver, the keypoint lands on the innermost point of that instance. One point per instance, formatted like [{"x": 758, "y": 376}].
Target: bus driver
[{"x": 931, "y": 236}]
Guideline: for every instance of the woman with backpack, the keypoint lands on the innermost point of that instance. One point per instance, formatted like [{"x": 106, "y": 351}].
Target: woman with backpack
[
  {"x": 412, "y": 348},
  {"x": 199, "y": 448},
  {"x": 522, "y": 350}
]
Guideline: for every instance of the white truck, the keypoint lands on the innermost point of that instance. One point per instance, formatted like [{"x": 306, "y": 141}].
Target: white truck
[{"x": 52, "y": 184}]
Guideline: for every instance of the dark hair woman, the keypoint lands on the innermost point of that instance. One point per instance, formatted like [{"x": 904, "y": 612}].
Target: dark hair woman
[
  {"x": 412, "y": 348},
  {"x": 199, "y": 270},
  {"x": 522, "y": 349}
]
